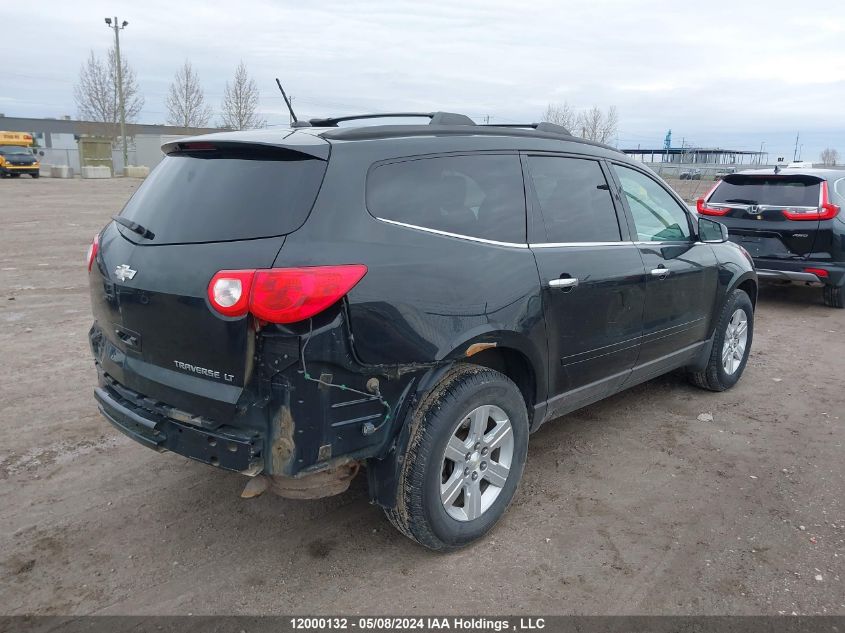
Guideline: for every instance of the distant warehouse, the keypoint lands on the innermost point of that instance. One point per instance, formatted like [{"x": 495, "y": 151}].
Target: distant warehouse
[
  {"x": 705, "y": 155},
  {"x": 58, "y": 139}
]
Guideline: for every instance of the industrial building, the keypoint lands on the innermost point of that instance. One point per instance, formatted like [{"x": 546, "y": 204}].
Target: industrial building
[
  {"x": 698, "y": 155},
  {"x": 58, "y": 139}
]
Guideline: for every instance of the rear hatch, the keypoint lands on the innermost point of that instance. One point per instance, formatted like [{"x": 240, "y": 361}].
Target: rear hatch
[
  {"x": 772, "y": 216},
  {"x": 209, "y": 206}
]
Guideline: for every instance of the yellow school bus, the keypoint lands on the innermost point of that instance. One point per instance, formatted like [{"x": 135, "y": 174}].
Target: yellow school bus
[{"x": 16, "y": 155}]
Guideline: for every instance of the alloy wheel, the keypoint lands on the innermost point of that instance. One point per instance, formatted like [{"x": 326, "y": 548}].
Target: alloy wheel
[
  {"x": 476, "y": 462},
  {"x": 736, "y": 340}
]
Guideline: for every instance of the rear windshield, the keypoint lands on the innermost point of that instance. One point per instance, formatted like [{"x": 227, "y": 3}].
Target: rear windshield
[
  {"x": 225, "y": 195},
  {"x": 794, "y": 191}
]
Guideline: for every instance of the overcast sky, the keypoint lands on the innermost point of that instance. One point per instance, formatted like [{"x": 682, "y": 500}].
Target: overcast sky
[{"x": 733, "y": 73}]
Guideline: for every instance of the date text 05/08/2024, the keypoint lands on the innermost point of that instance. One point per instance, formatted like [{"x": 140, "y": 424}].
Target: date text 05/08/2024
[{"x": 417, "y": 623}]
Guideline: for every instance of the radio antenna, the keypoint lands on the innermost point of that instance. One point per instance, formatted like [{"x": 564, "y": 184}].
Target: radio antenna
[{"x": 294, "y": 120}]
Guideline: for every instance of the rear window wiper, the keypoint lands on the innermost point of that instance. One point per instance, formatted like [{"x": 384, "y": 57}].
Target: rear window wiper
[
  {"x": 741, "y": 201},
  {"x": 134, "y": 227}
]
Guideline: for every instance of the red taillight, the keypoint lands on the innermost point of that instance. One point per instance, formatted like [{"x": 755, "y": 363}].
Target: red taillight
[
  {"x": 818, "y": 272},
  {"x": 705, "y": 209},
  {"x": 288, "y": 295},
  {"x": 826, "y": 211},
  {"x": 91, "y": 255},
  {"x": 282, "y": 295},
  {"x": 228, "y": 291}
]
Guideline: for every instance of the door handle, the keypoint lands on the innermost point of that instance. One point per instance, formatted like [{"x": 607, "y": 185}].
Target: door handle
[
  {"x": 660, "y": 272},
  {"x": 566, "y": 282}
]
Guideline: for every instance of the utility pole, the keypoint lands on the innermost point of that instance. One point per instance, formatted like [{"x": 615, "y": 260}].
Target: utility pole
[
  {"x": 487, "y": 119},
  {"x": 118, "y": 27},
  {"x": 795, "y": 151}
]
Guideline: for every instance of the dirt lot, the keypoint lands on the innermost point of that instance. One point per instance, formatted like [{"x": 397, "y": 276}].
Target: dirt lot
[
  {"x": 691, "y": 190},
  {"x": 633, "y": 505}
]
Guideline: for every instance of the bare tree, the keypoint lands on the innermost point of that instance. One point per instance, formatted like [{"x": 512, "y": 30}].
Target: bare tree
[
  {"x": 240, "y": 101},
  {"x": 96, "y": 93},
  {"x": 590, "y": 123},
  {"x": 595, "y": 125},
  {"x": 829, "y": 157},
  {"x": 610, "y": 129},
  {"x": 186, "y": 105},
  {"x": 561, "y": 114}
]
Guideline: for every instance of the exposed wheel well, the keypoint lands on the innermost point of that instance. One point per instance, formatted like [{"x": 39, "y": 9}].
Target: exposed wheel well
[
  {"x": 516, "y": 366},
  {"x": 750, "y": 289}
]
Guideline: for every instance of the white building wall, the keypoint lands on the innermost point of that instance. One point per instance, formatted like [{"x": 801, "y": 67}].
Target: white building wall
[{"x": 148, "y": 148}]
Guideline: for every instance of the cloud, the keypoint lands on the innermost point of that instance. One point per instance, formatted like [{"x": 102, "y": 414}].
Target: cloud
[{"x": 727, "y": 70}]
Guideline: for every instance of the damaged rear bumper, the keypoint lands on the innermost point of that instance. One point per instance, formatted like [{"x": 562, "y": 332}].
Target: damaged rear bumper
[
  {"x": 230, "y": 449},
  {"x": 291, "y": 420}
]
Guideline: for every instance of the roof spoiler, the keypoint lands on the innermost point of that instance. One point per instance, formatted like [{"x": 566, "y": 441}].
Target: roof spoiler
[{"x": 304, "y": 144}]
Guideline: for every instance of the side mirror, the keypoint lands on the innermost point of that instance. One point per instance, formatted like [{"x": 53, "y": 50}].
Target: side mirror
[{"x": 712, "y": 232}]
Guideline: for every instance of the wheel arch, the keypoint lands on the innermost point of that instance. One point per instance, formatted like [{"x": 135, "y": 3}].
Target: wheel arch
[
  {"x": 518, "y": 356},
  {"x": 513, "y": 360},
  {"x": 748, "y": 284},
  {"x": 515, "y": 365}
]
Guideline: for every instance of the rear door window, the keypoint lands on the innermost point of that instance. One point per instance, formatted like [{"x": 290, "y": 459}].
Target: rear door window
[
  {"x": 788, "y": 191},
  {"x": 477, "y": 195},
  {"x": 657, "y": 216},
  {"x": 574, "y": 199},
  {"x": 232, "y": 194}
]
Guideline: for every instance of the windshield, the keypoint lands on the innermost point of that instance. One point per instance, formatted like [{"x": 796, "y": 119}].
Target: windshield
[
  {"x": 11, "y": 150},
  {"x": 795, "y": 191},
  {"x": 225, "y": 195}
]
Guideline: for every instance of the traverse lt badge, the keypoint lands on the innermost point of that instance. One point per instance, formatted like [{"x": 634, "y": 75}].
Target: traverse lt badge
[{"x": 123, "y": 272}]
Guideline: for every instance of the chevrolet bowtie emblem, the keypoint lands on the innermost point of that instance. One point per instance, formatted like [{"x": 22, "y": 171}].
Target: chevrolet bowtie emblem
[{"x": 123, "y": 272}]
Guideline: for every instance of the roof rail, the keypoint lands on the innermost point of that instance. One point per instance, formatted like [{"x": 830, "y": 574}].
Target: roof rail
[
  {"x": 437, "y": 118},
  {"x": 543, "y": 126},
  {"x": 370, "y": 132}
]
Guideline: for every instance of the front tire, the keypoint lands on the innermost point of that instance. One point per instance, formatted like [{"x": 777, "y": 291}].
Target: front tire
[
  {"x": 833, "y": 297},
  {"x": 35, "y": 175},
  {"x": 731, "y": 345},
  {"x": 465, "y": 457}
]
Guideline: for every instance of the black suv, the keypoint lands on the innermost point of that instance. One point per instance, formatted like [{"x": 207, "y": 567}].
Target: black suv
[
  {"x": 415, "y": 299},
  {"x": 789, "y": 221}
]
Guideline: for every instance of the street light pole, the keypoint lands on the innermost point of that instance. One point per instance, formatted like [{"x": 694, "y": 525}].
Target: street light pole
[{"x": 118, "y": 27}]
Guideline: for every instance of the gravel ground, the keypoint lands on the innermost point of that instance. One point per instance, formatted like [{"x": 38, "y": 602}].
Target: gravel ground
[{"x": 638, "y": 504}]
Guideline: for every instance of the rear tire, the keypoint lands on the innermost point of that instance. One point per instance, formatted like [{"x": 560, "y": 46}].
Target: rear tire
[
  {"x": 833, "y": 297},
  {"x": 731, "y": 345},
  {"x": 36, "y": 175},
  {"x": 469, "y": 431}
]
